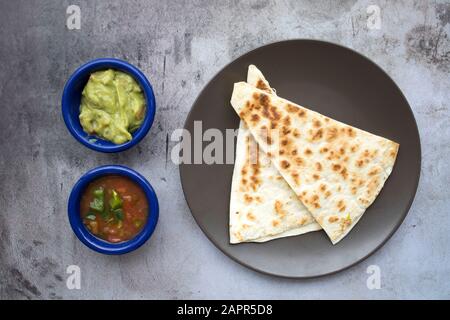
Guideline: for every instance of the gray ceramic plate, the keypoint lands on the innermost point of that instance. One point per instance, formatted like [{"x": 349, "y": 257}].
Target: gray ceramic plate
[{"x": 336, "y": 82}]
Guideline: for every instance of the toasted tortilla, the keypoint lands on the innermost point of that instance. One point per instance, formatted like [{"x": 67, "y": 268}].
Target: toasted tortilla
[
  {"x": 335, "y": 169},
  {"x": 263, "y": 206}
]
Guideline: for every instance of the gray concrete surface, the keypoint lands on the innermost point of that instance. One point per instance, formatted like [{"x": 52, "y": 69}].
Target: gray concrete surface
[{"x": 180, "y": 45}]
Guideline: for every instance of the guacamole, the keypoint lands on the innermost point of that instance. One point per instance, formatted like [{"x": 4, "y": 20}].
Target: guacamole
[{"x": 112, "y": 106}]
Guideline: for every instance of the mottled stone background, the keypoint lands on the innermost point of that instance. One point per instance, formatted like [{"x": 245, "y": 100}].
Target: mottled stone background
[{"x": 180, "y": 45}]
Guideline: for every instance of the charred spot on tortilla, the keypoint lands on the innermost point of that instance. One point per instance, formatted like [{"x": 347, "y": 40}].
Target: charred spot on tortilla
[
  {"x": 332, "y": 134},
  {"x": 248, "y": 199},
  {"x": 262, "y": 85},
  {"x": 351, "y": 132},
  {"x": 317, "y": 135},
  {"x": 344, "y": 173},
  {"x": 318, "y": 166},
  {"x": 299, "y": 161},
  {"x": 333, "y": 219},
  {"x": 373, "y": 172},
  {"x": 295, "y": 176},
  {"x": 285, "y": 131},
  {"x": 287, "y": 121},
  {"x": 279, "y": 208},
  {"x": 285, "y": 164},
  {"x": 254, "y": 118},
  {"x": 291, "y": 108}
]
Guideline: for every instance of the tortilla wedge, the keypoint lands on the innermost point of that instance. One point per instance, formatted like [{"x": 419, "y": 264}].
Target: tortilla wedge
[
  {"x": 335, "y": 169},
  {"x": 262, "y": 205}
]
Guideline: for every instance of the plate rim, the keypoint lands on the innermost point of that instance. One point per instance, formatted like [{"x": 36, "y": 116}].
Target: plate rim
[{"x": 404, "y": 214}]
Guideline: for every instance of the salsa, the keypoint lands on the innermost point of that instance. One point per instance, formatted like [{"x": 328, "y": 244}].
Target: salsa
[{"x": 114, "y": 208}]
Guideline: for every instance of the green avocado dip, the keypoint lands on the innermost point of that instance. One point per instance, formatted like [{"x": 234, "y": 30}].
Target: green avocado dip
[{"x": 112, "y": 106}]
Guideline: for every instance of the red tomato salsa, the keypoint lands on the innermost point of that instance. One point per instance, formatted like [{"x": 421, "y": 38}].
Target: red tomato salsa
[{"x": 114, "y": 208}]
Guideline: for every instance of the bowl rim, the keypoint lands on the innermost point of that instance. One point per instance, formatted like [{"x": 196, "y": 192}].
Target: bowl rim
[
  {"x": 123, "y": 66},
  {"x": 97, "y": 244}
]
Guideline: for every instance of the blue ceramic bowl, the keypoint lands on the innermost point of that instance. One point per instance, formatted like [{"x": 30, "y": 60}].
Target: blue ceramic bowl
[
  {"x": 98, "y": 244},
  {"x": 71, "y": 99}
]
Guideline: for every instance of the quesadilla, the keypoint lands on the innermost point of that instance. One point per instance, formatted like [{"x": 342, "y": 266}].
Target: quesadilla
[
  {"x": 262, "y": 205},
  {"x": 336, "y": 170}
]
